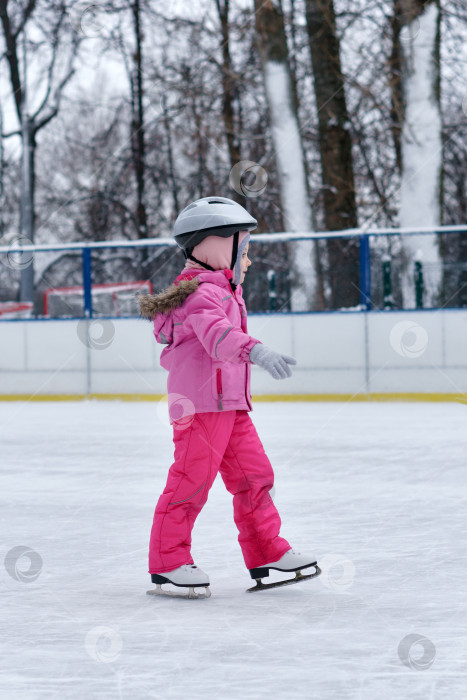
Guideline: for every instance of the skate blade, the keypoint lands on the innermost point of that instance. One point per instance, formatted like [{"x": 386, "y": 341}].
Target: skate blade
[
  {"x": 299, "y": 578},
  {"x": 158, "y": 590}
]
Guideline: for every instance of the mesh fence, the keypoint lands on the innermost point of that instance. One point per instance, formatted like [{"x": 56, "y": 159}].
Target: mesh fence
[{"x": 323, "y": 273}]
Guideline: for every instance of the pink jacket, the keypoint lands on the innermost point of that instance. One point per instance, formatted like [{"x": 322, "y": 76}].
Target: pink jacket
[{"x": 204, "y": 325}]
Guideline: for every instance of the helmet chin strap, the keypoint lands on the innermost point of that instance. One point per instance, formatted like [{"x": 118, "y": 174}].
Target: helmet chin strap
[
  {"x": 234, "y": 257},
  {"x": 234, "y": 250}
]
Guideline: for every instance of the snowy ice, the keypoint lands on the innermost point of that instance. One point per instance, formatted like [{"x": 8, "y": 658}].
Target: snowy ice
[{"x": 376, "y": 490}]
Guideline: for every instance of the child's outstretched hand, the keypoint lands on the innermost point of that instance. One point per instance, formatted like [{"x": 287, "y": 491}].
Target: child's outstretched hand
[{"x": 277, "y": 365}]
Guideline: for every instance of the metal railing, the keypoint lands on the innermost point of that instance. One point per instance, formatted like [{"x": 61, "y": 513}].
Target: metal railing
[{"x": 371, "y": 256}]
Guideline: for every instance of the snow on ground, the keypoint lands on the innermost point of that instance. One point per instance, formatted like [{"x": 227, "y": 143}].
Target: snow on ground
[{"x": 377, "y": 490}]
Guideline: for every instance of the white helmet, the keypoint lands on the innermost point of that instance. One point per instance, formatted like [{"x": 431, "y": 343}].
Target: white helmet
[{"x": 210, "y": 216}]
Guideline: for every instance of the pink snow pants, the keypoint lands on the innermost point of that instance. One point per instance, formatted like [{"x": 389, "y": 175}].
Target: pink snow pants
[{"x": 205, "y": 444}]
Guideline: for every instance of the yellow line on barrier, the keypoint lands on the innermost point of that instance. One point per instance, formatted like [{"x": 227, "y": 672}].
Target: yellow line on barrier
[
  {"x": 462, "y": 398},
  {"x": 82, "y": 397},
  {"x": 392, "y": 396}
]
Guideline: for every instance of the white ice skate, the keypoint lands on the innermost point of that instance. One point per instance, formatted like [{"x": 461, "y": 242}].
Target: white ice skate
[
  {"x": 186, "y": 576},
  {"x": 291, "y": 561}
]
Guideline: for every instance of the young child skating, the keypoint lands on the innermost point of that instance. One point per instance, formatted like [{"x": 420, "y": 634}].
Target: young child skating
[{"x": 201, "y": 318}]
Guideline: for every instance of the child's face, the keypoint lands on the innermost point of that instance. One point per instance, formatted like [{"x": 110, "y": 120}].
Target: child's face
[{"x": 245, "y": 263}]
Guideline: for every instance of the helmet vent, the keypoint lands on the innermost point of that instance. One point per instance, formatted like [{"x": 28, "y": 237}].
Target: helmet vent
[{"x": 217, "y": 201}]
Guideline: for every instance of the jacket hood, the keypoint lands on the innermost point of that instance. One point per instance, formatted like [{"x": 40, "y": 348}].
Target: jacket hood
[{"x": 151, "y": 305}]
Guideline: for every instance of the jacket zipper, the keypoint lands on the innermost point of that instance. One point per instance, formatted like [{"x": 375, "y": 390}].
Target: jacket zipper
[{"x": 219, "y": 387}]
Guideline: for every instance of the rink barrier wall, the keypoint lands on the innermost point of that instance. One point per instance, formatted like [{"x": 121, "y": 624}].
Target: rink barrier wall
[{"x": 374, "y": 355}]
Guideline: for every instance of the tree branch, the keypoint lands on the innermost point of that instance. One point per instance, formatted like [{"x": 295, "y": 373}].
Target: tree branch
[
  {"x": 27, "y": 13},
  {"x": 11, "y": 133},
  {"x": 55, "y": 42},
  {"x": 12, "y": 57},
  {"x": 37, "y": 125}
]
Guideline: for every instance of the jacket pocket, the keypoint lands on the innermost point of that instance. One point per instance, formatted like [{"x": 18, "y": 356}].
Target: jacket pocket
[{"x": 227, "y": 384}]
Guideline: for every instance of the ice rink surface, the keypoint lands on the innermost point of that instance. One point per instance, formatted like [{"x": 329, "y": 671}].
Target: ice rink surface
[{"x": 377, "y": 490}]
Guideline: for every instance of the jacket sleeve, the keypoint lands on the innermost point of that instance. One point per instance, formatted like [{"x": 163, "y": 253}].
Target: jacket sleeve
[{"x": 221, "y": 340}]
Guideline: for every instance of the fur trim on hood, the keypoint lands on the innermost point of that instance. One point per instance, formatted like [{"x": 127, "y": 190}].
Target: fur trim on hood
[{"x": 171, "y": 298}]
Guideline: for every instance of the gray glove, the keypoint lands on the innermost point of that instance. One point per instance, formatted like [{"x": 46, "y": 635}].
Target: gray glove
[{"x": 277, "y": 365}]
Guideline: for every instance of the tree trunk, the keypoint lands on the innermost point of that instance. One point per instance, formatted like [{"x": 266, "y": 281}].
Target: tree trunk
[
  {"x": 137, "y": 127},
  {"x": 288, "y": 148},
  {"x": 340, "y": 210},
  {"x": 395, "y": 63},
  {"x": 27, "y": 212},
  {"x": 2, "y": 173},
  {"x": 421, "y": 145},
  {"x": 31, "y": 124},
  {"x": 170, "y": 158},
  {"x": 229, "y": 87}
]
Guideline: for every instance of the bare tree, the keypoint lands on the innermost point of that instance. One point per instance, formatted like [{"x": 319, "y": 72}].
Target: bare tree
[
  {"x": 201, "y": 97},
  {"x": 137, "y": 125},
  {"x": 340, "y": 209},
  {"x": 395, "y": 66},
  {"x": 288, "y": 148},
  {"x": 30, "y": 123},
  {"x": 421, "y": 141},
  {"x": 229, "y": 85}
]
